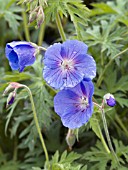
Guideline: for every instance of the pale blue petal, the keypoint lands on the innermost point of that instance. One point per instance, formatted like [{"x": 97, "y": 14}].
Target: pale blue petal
[{"x": 73, "y": 48}]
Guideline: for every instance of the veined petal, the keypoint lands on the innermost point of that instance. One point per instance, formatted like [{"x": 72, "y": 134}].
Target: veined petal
[
  {"x": 76, "y": 119},
  {"x": 73, "y": 77},
  {"x": 74, "y": 105},
  {"x": 20, "y": 54},
  {"x": 53, "y": 77},
  {"x": 74, "y": 48},
  {"x": 14, "y": 66},
  {"x": 53, "y": 53},
  {"x": 51, "y": 63},
  {"x": 90, "y": 69},
  {"x": 26, "y": 55},
  {"x": 65, "y": 100}
]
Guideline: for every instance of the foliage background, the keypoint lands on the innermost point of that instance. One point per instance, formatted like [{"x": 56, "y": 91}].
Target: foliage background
[{"x": 102, "y": 25}]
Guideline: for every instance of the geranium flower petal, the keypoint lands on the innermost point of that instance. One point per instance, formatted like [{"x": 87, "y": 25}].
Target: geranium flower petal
[
  {"x": 65, "y": 100},
  {"x": 76, "y": 119},
  {"x": 74, "y": 48},
  {"x": 70, "y": 107},
  {"x": 53, "y": 77},
  {"x": 53, "y": 53},
  {"x": 73, "y": 78},
  {"x": 90, "y": 69},
  {"x": 25, "y": 54}
]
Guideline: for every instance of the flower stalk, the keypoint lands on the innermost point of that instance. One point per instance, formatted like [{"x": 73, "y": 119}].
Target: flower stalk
[
  {"x": 37, "y": 123},
  {"x": 25, "y": 23},
  {"x": 60, "y": 28},
  {"x": 106, "y": 130},
  {"x": 14, "y": 87},
  {"x": 103, "y": 140}
]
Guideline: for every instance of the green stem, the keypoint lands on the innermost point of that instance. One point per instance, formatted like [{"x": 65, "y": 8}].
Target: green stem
[
  {"x": 108, "y": 136},
  {"x": 37, "y": 123},
  {"x": 25, "y": 22},
  {"x": 15, "y": 150},
  {"x": 60, "y": 28},
  {"x": 102, "y": 140},
  {"x": 102, "y": 58},
  {"x": 41, "y": 34},
  {"x": 101, "y": 135},
  {"x": 99, "y": 81}
]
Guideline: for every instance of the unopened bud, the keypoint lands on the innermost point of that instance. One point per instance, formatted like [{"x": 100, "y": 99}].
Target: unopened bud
[
  {"x": 109, "y": 100},
  {"x": 70, "y": 138},
  {"x": 12, "y": 85},
  {"x": 33, "y": 15},
  {"x": 40, "y": 16},
  {"x": 11, "y": 98}
]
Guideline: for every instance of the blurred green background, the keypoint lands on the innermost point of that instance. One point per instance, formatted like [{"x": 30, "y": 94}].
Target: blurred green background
[{"x": 103, "y": 26}]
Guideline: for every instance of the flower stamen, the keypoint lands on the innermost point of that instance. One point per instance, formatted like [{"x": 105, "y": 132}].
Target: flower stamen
[{"x": 67, "y": 65}]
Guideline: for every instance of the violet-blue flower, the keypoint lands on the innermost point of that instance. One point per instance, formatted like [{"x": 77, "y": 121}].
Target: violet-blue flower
[
  {"x": 20, "y": 54},
  {"x": 66, "y": 64},
  {"x": 74, "y": 105}
]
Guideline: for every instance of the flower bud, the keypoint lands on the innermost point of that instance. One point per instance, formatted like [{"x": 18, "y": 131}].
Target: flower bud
[
  {"x": 12, "y": 85},
  {"x": 109, "y": 100},
  {"x": 70, "y": 138},
  {"x": 11, "y": 98},
  {"x": 40, "y": 16},
  {"x": 32, "y": 16}
]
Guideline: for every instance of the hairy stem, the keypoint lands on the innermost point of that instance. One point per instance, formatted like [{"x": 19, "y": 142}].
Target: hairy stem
[
  {"x": 60, "y": 28},
  {"x": 108, "y": 136},
  {"x": 101, "y": 135},
  {"x": 103, "y": 140},
  {"x": 41, "y": 34},
  {"x": 99, "y": 81},
  {"x": 37, "y": 123},
  {"x": 25, "y": 22},
  {"x": 106, "y": 130}
]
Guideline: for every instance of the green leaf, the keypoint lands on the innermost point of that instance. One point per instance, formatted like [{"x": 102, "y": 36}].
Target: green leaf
[
  {"x": 66, "y": 161},
  {"x": 8, "y": 10},
  {"x": 10, "y": 165},
  {"x": 117, "y": 9},
  {"x": 95, "y": 125},
  {"x": 105, "y": 35},
  {"x": 99, "y": 158},
  {"x": 77, "y": 11}
]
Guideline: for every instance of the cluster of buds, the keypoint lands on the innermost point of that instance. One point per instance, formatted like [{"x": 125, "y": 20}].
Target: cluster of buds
[
  {"x": 38, "y": 15},
  {"x": 11, "y": 97}
]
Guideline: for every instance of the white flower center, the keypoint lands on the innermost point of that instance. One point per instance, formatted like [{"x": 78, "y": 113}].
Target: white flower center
[
  {"x": 67, "y": 64},
  {"x": 84, "y": 102}
]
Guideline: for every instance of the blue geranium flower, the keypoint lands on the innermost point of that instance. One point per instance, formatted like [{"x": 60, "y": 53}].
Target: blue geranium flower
[
  {"x": 20, "y": 54},
  {"x": 65, "y": 65},
  {"x": 74, "y": 105}
]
